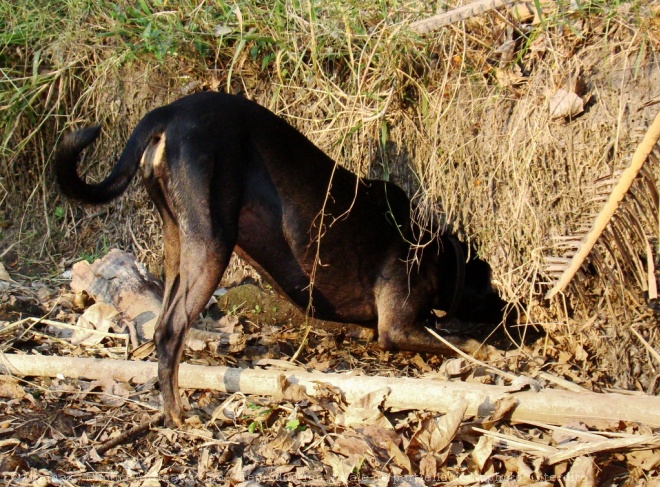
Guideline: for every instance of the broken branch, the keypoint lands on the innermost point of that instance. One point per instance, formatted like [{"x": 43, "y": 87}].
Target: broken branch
[
  {"x": 549, "y": 405},
  {"x": 457, "y": 14}
]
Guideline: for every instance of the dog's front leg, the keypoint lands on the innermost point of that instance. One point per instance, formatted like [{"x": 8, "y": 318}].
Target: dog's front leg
[
  {"x": 188, "y": 290},
  {"x": 398, "y": 329}
]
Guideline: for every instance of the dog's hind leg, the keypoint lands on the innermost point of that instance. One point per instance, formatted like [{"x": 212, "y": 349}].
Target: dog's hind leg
[
  {"x": 201, "y": 264},
  {"x": 197, "y": 252}
]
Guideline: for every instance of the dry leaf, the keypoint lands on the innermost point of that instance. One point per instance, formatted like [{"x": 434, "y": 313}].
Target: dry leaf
[
  {"x": 4, "y": 275},
  {"x": 195, "y": 344},
  {"x": 580, "y": 353},
  {"x": 564, "y": 435},
  {"x": 647, "y": 460},
  {"x": 523, "y": 12},
  {"x": 222, "y": 30},
  {"x": 227, "y": 324},
  {"x": 380, "y": 479},
  {"x": 428, "y": 466},
  {"x": 419, "y": 362},
  {"x": 351, "y": 446},
  {"x": 341, "y": 467},
  {"x": 471, "y": 479},
  {"x": 355, "y": 417},
  {"x": 435, "y": 434},
  {"x": 203, "y": 464},
  {"x": 448, "y": 426},
  {"x": 144, "y": 350},
  {"x": 510, "y": 76},
  {"x": 385, "y": 445},
  {"x": 380, "y": 437},
  {"x": 13, "y": 464},
  {"x": 325, "y": 392},
  {"x": 507, "y": 51},
  {"x": 564, "y": 104},
  {"x": 582, "y": 473},
  {"x": 409, "y": 481},
  {"x": 525, "y": 472},
  {"x": 231, "y": 409},
  {"x": 502, "y": 407},
  {"x": 152, "y": 478},
  {"x": 278, "y": 450},
  {"x": 365, "y": 411},
  {"x": 115, "y": 393},
  {"x": 374, "y": 399},
  {"x": 294, "y": 393},
  {"x": 454, "y": 367},
  {"x": 10, "y": 388},
  {"x": 235, "y": 473},
  {"x": 98, "y": 317},
  {"x": 482, "y": 451},
  {"x": 120, "y": 280},
  {"x": 523, "y": 382},
  {"x": 76, "y": 413},
  {"x": 94, "y": 457}
]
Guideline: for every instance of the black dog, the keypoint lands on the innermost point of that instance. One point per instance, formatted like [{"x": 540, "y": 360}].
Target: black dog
[{"x": 226, "y": 174}]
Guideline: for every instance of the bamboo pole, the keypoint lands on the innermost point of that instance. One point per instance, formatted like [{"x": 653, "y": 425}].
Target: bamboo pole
[
  {"x": 603, "y": 219},
  {"x": 549, "y": 405}
]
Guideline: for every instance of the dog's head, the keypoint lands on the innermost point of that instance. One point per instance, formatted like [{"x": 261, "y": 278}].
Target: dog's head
[
  {"x": 480, "y": 302},
  {"x": 465, "y": 290}
]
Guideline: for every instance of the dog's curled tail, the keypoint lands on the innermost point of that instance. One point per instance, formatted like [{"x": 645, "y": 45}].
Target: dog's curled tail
[{"x": 74, "y": 187}]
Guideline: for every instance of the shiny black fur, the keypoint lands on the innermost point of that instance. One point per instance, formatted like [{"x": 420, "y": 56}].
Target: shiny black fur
[{"x": 226, "y": 174}]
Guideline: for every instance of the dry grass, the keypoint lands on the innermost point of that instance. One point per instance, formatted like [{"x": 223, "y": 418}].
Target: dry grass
[{"x": 459, "y": 118}]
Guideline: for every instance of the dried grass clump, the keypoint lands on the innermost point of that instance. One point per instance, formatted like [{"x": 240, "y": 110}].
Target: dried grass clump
[{"x": 458, "y": 117}]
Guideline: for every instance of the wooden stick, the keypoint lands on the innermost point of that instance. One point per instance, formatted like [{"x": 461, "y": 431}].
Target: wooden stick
[
  {"x": 457, "y": 14},
  {"x": 647, "y": 345},
  {"x": 67, "y": 326},
  {"x": 555, "y": 455},
  {"x": 650, "y": 442},
  {"x": 603, "y": 219},
  {"x": 549, "y": 405},
  {"x": 130, "y": 434},
  {"x": 471, "y": 359}
]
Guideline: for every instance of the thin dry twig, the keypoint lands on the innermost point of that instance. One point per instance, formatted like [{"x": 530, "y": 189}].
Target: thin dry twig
[
  {"x": 131, "y": 434},
  {"x": 566, "y": 384},
  {"x": 502, "y": 373},
  {"x": 519, "y": 443},
  {"x": 646, "y": 344},
  {"x": 556, "y": 455},
  {"x": 645, "y": 442},
  {"x": 66, "y": 326}
]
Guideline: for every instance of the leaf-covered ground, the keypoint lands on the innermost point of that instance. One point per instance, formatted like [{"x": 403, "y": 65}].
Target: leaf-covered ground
[{"x": 52, "y": 429}]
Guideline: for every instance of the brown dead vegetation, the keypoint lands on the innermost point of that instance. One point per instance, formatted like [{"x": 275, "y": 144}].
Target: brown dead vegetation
[{"x": 509, "y": 128}]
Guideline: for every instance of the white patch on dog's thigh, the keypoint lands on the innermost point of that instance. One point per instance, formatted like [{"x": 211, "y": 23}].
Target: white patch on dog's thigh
[
  {"x": 153, "y": 158},
  {"x": 159, "y": 155}
]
